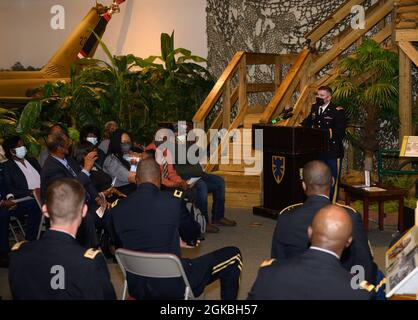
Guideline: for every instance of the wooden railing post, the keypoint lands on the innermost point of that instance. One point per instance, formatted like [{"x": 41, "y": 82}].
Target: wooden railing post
[
  {"x": 405, "y": 95},
  {"x": 278, "y": 71},
  {"x": 227, "y": 104},
  {"x": 242, "y": 98}
]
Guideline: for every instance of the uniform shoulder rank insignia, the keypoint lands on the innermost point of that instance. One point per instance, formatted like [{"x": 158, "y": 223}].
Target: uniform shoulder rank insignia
[
  {"x": 366, "y": 286},
  {"x": 339, "y": 108},
  {"x": 178, "y": 193},
  {"x": 381, "y": 284},
  {"x": 18, "y": 245},
  {"x": 347, "y": 207},
  {"x": 267, "y": 263},
  {"x": 290, "y": 207},
  {"x": 91, "y": 253},
  {"x": 115, "y": 203}
]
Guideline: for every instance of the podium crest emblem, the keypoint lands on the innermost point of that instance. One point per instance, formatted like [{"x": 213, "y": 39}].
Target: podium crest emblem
[{"x": 278, "y": 167}]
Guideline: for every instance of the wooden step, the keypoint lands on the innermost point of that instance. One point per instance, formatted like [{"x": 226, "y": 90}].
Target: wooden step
[
  {"x": 250, "y": 119},
  {"x": 240, "y": 200},
  {"x": 259, "y": 108},
  {"x": 237, "y": 180}
]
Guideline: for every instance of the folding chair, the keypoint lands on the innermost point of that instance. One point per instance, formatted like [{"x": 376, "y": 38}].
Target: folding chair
[
  {"x": 37, "y": 196},
  {"x": 152, "y": 265},
  {"x": 17, "y": 228}
]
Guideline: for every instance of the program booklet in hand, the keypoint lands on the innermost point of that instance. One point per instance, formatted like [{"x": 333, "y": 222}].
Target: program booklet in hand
[{"x": 192, "y": 181}]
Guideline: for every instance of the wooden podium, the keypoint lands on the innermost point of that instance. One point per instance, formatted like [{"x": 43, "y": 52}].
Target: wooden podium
[{"x": 285, "y": 151}]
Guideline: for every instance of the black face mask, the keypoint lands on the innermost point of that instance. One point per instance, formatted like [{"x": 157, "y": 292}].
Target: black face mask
[
  {"x": 320, "y": 101},
  {"x": 125, "y": 147}
]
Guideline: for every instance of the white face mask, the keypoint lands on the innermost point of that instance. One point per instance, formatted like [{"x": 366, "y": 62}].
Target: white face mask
[
  {"x": 92, "y": 140},
  {"x": 21, "y": 152}
]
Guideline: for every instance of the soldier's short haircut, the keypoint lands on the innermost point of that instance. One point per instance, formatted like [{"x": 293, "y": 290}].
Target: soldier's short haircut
[
  {"x": 148, "y": 170},
  {"x": 326, "y": 88},
  {"x": 65, "y": 199},
  {"x": 317, "y": 175}
]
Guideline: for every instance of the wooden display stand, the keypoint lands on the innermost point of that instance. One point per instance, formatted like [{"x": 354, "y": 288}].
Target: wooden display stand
[{"x": 402, "y": 267}]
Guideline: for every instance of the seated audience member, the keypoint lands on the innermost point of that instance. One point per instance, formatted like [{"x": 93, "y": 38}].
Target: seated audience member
[
  {"x": 208, "y": 183},
  {"x": 56, "y": 128},
  {"x": 119, "y": 160},
  {"x": 20, "y": 178},
  {"x": 100, "y": 180},
  {"x": 109, "y": 128},
  {"x": 56, "y": 267},
  {"x": 2, "y": 155},
  {"x": 149, "y": 221},
  {"x": 171, "y": 180},
  {"x": 316, "y": 274},
  {"x": 91, "y": 133},
  {"x": 60, "y": 164},
  {"x": 290, "y": 238}
]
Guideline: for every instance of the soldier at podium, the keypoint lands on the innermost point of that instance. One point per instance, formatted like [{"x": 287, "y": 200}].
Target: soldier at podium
[{"x": 326, "y": 115}]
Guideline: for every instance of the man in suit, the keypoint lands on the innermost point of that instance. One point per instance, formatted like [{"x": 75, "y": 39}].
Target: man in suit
[
  {"x": 56, "y": 267},
  {"x": 60, "y": 165},
  {"x": 290, "y": 238},
  {"x": 328, "y": 116},
  {"x": 149, "y": 221},
  {"x": 317, "y": 274}
]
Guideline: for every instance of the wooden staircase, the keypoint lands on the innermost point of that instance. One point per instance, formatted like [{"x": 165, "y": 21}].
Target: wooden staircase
[{"x": 243, "y": 186}]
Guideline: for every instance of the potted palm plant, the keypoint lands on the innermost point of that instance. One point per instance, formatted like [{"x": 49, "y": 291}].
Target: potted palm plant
[{"x": 368, "y": 89}]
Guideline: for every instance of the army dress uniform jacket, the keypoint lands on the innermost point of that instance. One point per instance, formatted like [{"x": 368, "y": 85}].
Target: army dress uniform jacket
[
  {"x": 332, "y": 118},
  {"x": 291, "y": 239},
  {"x": 56, "y": 267},
  {"x": 314, "y": 275}
]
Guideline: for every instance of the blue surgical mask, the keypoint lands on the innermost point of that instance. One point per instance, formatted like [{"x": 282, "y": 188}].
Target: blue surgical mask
[
  {"x": 21, "y": 152},
  {"x": 92, "y": 140}
]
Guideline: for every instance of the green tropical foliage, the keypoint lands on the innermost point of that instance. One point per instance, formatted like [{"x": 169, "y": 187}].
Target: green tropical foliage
[
  {"x": 137, "y": 93},
  {"x": 368, "y": 87}
]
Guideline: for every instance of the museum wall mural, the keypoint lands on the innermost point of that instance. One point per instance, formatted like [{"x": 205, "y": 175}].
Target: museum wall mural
[{"x": 271, "y": 26}]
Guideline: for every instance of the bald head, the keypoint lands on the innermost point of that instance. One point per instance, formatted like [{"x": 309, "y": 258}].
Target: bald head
[
  {"x": 331, "y": 229},
  {"x": 317, "y": 178},
  {"x": 148, "y": 171}
]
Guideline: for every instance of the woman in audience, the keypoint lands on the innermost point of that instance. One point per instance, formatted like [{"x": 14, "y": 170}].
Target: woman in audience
[
  {"x": 120, "y": 162},
  {"x": 22, "y": 181},
  {"x": 91, "y": 133}
]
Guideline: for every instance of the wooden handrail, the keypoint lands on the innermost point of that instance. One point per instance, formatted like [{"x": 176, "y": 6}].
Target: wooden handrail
[
  {"x": 218, "y": 88},
  {"x": 269, "y": 58},
  {"x": 300, "y": 105},
  {"x": 378, "y": 14},
  {"x": 291, "y": 79},
  {"x": 333, "y": 74},
  {"x": 339, "y": 14}
]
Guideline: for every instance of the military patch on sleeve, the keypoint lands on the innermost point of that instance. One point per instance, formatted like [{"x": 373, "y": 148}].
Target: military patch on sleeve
[
  {"x": 91, "y": 253},
  {"x": 18, "y": 245},
  {"x": 366, "y": 286},
  {"x": 115, "y": 203},
  {"x": 178, "y": 193},
  {"x": 290, "y": 207},
  {"x": 267, "y": 263},
  {"x": 339, "y": 108}
]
